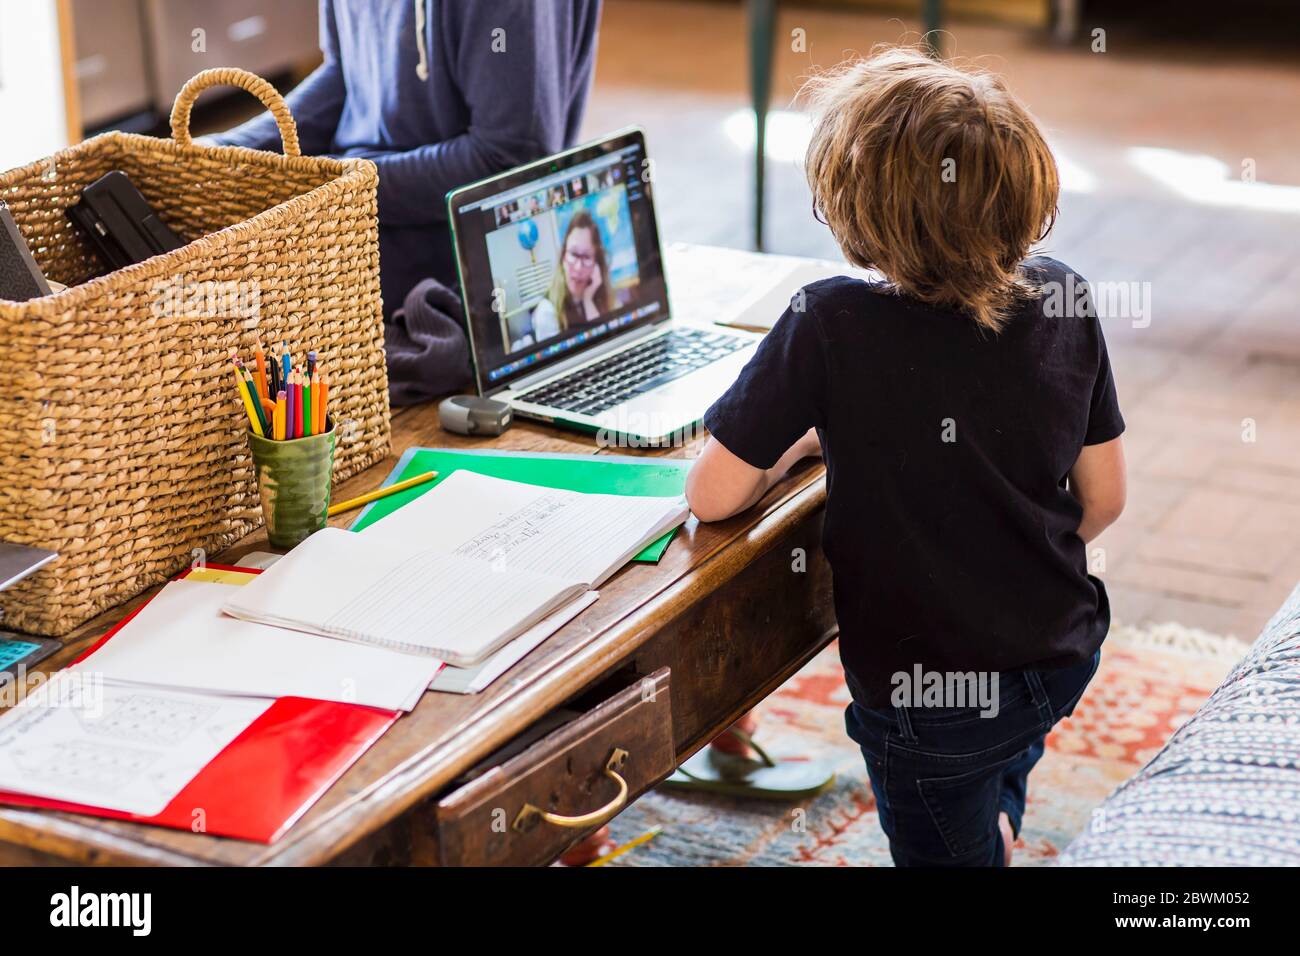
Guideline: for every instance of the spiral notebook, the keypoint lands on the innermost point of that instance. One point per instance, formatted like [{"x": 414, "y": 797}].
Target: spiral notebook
[{"x": 459, "y": 572}]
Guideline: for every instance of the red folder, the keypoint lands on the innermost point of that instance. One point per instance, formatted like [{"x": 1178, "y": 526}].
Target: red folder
[{"x": 268, "y": 776}]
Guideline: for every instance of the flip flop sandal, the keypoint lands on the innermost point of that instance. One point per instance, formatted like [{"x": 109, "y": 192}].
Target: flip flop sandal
[{"x": 763, "y": 778}]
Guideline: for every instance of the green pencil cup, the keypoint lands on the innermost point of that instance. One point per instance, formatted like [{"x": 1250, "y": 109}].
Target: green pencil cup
[{"x": 293, "y": 479}]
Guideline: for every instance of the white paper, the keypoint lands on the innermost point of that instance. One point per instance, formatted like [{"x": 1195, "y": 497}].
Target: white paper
[
  {"x": 458, "y": 572},
  {"x": 344, "y": 585},
  {"x": 181, "y": 640},
  {"x": 744, "y": 289},
  {"x": 120, "y": 747},
  {"x": 713, "y": 283},
  {"x": 579, "y": 537},
  {"x": 472, "y": 680}
]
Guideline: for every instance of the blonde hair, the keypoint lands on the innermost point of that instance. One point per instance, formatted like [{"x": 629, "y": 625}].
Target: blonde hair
[{"x": 934, "y": 175}]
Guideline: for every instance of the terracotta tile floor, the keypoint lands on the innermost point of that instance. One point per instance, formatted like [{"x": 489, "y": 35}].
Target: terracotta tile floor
[{"x": 1210, "y": 538}]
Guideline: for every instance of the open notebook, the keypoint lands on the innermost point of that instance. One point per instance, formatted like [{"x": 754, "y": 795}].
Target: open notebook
[{"x": 458, "y": 572}]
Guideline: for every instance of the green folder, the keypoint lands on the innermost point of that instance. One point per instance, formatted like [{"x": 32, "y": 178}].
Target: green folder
[{"x": 601, "y": 474}]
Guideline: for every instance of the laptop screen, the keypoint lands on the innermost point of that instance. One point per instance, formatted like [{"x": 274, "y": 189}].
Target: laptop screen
[{"x": 557, "y": 256}]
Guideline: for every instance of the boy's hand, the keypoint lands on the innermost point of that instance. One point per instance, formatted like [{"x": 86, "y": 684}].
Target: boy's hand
[
  {"x": 720, "y": 484},
  {"x": 810, "y": 446}
]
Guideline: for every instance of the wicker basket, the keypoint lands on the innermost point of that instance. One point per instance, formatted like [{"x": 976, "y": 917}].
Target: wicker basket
[{"x": 122, "y": 440}]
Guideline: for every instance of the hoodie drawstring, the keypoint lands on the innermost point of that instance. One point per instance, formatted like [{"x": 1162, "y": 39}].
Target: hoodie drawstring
[{"x": 422, "y": 67}]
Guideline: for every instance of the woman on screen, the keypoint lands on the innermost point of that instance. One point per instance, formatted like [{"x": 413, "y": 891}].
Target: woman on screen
[{"x": 580, "y": 291}]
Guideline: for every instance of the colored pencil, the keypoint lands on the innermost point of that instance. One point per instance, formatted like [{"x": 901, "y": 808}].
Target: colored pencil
[
  {"x": 316, "y": 402},
  {"x": 280, "y": 408},
  {"x": 247, "y": 381},
  {"x": 629, "y": 845},
  {"x": 317, "y": 419},
  {"x": 378, "y": 493},
  {"x": 251, "y": 385},
  {"x": 324, "y": 403},
  {"x": 306, "y": 402},
  {"x": 257, "y": 402},
  {"x": 253, "y": 421},
  {"x": 313, "y": 398},
  {"x": 275, "y": 383},
  {"x": 260, "y": 356},
  {"x": 288, "y": 409},
  {"x": 308, "y": 420},
  {"x": 283, "y": 402}
]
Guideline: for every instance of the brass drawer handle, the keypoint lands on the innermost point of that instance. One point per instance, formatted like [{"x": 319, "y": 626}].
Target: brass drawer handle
[{"x": 529, "y": 814}]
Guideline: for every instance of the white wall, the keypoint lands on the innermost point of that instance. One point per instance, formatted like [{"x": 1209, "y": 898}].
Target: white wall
[{"x": 32, "y": 119}]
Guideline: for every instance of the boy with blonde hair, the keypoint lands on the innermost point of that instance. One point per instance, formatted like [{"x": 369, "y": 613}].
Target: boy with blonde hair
[{"x": 972, "y": 446}]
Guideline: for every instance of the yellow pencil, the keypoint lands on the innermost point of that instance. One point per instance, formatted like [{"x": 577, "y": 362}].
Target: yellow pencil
[
  {"x": 277, "y": 429},
  {"x": 250, "y": 385},
  {"x": 630, "y": 845},
  {"x": 378, "y": 493},
  {"x": 248, "y": 405}
]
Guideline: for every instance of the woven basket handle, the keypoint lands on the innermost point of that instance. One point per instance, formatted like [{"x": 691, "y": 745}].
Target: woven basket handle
[{"x": 233, "y": 76}]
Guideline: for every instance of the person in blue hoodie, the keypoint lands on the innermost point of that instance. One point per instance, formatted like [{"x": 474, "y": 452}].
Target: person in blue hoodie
[{"x": 437, "y": 93}]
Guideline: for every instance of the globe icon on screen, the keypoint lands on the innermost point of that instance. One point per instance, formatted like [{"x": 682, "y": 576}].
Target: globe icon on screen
[{"x": 528, "y": 234}]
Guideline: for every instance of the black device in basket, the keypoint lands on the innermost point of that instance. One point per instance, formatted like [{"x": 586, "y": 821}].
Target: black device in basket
[
  {"x": 120, "y": 223},
  {"x": 20, "y": 278}
]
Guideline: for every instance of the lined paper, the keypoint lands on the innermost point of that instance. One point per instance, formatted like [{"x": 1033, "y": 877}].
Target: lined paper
[
  {"x": 581, "y": 537},
  {"x": 458, "y": 572}
]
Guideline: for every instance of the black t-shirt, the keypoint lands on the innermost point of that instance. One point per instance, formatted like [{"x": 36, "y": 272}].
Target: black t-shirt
[{"x": 949, "y": 529}]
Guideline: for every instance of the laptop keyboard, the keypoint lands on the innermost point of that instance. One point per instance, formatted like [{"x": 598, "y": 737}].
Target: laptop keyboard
[{"x": 591, "y": 390}]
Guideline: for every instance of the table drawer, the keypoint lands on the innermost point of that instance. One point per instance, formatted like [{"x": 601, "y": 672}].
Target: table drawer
[{"x": 529, "y": 808}]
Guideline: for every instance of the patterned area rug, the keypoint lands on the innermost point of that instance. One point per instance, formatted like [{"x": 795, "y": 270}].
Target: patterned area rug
[{"x": 1150, "y": 681}]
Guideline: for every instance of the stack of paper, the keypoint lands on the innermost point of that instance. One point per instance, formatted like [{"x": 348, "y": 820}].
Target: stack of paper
[
  {"x": 459, "y": 572},
  {"x": 267, "y": 777},
  {"x": 210, "y": 689},
  {"x": 184, "y": 717},
  {"x": 743, "y": 289},
  {"x": 181, "y": 640}
]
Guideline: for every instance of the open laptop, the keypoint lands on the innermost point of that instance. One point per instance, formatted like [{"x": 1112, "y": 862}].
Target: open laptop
[{"x": 562, "y": 277}]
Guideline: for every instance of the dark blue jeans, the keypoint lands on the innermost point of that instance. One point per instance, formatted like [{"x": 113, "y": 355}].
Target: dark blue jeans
[{"x": 941, "y": 775}]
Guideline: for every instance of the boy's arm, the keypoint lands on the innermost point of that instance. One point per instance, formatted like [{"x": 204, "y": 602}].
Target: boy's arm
[
  {"x": 767, "y": 420},
  {"x": 1098, "y": 481},
  {"x": 720, "y": 484}
]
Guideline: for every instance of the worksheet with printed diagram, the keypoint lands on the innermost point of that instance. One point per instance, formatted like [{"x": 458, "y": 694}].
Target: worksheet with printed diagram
[{"x": 119, "y": 747}]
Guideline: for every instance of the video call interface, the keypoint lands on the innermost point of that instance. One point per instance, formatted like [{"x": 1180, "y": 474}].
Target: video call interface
[{"x": 570, "y": 258}]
